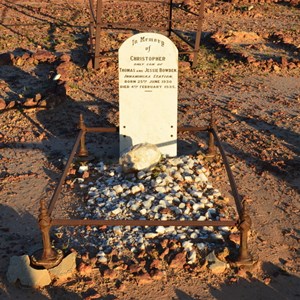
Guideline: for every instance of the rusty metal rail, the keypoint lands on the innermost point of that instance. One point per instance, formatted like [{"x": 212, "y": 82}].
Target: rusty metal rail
[
  {"x": 50, "y": 257},
  {"x": 97, "y": 25},
  {"x": 72, "y": 222}
]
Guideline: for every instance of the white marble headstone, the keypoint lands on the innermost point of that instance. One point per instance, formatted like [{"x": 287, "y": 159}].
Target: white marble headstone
[{"x": 148, "y": 89}]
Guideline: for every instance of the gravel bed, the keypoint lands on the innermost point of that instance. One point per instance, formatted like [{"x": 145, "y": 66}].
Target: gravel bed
[{"x": 177, "y": 188}]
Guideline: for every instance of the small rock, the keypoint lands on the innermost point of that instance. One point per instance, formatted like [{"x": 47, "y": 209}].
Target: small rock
[
  {"x": 38, "y": 97},
  {"x": 151, "y": 235},
  {"x": 82, "y": 169},
  {"x": 192, "y": 257},
  {"x": 43, "y": 56},
  {"x": 134, "y": 268},
  {"x": 135, "y": 189},
  {"x": 187, "y": 245},
  {"x": 85, "y": 174},
  {"x": 141, "y": 157},
  {"x": 156, "y": 264},
  {"x": 276, "y": 68},
  {"x": 157, "y": 274},
  {"x": 110, "y": 274},
  {"x": 30, "y": 102},
  {"x": 224, "y": 254},
  {"x": 102, "y": 260},
  {"x": 215, "y": 265},
  {"x": 178, "y": 261},
  {"x": 64, "y": 69},
  {"x": 66, "y": 268},
  {"x": 65, "y": 57},
  {"x": 141, "y": 175},
  {"x": 117, "y": 230},
  {"x": 160, "y": 229},
  {"x": 117, "y": 211},
  {"x": 2, "y": 104},
  {"x": 84, "y": 269},
  {"x": 160, "y": 189},
  {"x": 144, "y": 278},
  {"x": 11, "y": 104},
  {"x": 118, "y": 189}
]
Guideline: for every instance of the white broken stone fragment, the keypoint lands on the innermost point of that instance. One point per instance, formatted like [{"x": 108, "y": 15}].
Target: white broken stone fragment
[
  {"x": 140, "y": 157},
  {"x": 214, "y": 264},
  {"x": 82, "y": 169},
  {"x": 117, "y": 211},
  {"x": 66, "y": 268},
  {"x": 117, "y": 230},
  {"x": 192, "y": 257},
  {"x": 160, "y": 230},
  {"x": 151, "y": 235},
  {"x": 101, "y": 257},
  {"x": 118, "y": 189},
  {"x": 201, "y": 246},
  {"x": 135, "y": 189},
  {"x": 19, "y": 269},
  {"x": 187, "y": 245},
  {"x": 141, "y": 174}
]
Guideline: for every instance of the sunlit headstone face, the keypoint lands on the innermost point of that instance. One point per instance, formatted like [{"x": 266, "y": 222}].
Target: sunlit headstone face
[{"x": 148, "y": 89}]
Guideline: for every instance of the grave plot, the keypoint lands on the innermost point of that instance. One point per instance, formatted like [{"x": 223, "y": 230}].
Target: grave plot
[
  {"x": 177, "y": 189},
  {"x": 172, "y": 209},
  {"x": 171, "y": 216}
]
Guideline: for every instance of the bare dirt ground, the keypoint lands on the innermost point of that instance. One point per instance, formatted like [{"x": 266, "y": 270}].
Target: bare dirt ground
[{"x": 249, "y": 67}]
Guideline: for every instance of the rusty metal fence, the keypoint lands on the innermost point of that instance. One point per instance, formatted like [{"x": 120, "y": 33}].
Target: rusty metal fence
[
  {"x": 97, "y": 25},
  {"x": 49, "y": 257}
]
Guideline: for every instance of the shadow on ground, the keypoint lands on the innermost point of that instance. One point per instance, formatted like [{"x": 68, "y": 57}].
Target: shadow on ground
[{"x": 281, "y": 287}]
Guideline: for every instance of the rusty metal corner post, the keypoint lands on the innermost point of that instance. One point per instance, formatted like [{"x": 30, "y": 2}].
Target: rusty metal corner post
[
  {"x": 91, "y": 26},
  {"x": 48, "y": 257},
  {"x": 198, "y": 34},
  {"x": 170, "y": 18},
  {"x": 82, "y": 148},
  {"x": 99, "y": 10},
  {"x": 244, "y": 226},
  {"x": 211, "y": 140}
]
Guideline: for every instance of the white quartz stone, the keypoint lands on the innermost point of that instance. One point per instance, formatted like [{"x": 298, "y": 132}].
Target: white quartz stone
[
  {"x": 117, "y": 211},
  {"x": 118, "y": 189},
  {"x": 143, "y": 211},
  {"x": 160, "y": 189},
  {"x": 147, "y": 204},
  {"x": 192, "y": 257},
  {"x": 160, "y": 230},
  {"x": 202, "y": 218},
  {"x": 141, "y": 157},
  {"x": 117, "y": 230},
  {"x": 187, "y": 245},
  {"x": 170, "y": 229},
  {"x": 82, "y": 169},
  {"x": 135, "y": 189},
  {"x": 151, "y": 235},
  {"x": 141, "y": 174}
]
